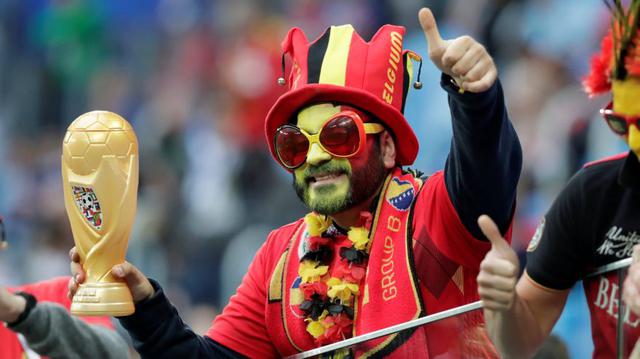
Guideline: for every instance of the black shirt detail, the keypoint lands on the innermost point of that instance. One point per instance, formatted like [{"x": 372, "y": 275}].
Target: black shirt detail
[{"x": 594, "y": 221}]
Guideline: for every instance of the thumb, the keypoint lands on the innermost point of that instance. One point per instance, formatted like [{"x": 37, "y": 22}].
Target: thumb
[
  {"x": 430, "y": 28},
  {"x": 491, "y": 231},
  {"x": 137, "y": 282}
]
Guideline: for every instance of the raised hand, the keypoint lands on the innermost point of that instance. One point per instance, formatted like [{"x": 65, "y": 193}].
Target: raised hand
[
  {"x": 631, "y": 287},
  {"x": 462, "y": 58},
  {"x": 498, "y": 271},
  {"x": 137, "y": 282}
]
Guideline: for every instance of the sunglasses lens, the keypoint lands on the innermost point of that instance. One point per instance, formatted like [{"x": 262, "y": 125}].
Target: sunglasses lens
[
  {"x": 617, "y": 124},
  {"x": 340, "y": 136},
  {"x": 291, "y": 146}
]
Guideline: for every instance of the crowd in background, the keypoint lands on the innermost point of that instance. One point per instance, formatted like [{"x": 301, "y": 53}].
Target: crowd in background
[{"x": 196, "y": 78}]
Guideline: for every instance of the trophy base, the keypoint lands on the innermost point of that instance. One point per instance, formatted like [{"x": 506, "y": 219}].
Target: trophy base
[{"x": 98, "y": 299}]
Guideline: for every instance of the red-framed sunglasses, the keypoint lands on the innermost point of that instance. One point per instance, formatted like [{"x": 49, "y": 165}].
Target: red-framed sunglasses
[
  {"x": 618, "y": 122},
  {"x": 342, "y": 135}
]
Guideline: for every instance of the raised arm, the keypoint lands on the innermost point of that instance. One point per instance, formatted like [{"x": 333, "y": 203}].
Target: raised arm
[
  {"x": 519, "y": 317},
  {"x": 485, "y": 159}
]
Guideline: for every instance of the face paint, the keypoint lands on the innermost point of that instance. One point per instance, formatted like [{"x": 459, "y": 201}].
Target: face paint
[
  {"x": 330, "y": 185},
  {"x": 324, "y": 189},
  {"x": 625, "y": 101}
]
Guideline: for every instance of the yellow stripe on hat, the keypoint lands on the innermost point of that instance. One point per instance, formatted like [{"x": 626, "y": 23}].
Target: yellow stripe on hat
[
  {"x": 334, "y": 64},
  {"x": 409, "y": 68}
]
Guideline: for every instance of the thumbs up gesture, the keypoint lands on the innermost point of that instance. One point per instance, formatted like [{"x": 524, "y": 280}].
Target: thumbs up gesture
[
  {"x": 463, "y": 58},
  {"x": 498, "y": 271}
]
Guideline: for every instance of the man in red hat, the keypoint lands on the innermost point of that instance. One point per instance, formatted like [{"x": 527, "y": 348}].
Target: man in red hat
[
  {"x": 382, "y": 245},
  {"x": 593, "y": 222},
  {"x": 38, "y": 323}
]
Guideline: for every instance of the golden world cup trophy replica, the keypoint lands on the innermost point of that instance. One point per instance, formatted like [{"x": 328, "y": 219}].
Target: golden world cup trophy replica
[{"x": 100, "y": 180}]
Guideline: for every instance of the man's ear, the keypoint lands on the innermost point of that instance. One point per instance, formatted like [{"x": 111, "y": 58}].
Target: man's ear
[{"x": 388, "y": 150}]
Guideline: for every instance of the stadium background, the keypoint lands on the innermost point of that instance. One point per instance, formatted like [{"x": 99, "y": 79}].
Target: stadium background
[{"x": 196, "y": 77}]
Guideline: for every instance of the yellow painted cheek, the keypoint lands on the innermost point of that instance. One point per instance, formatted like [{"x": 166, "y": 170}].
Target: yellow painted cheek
[
  {"x": 634, "y": 139},
  {"x": 625, "y": 101},
  {"x": 625, "y": 96}
]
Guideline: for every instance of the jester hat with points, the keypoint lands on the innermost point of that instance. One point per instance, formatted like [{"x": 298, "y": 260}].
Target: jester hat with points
[{"x": 341, "y": 67}]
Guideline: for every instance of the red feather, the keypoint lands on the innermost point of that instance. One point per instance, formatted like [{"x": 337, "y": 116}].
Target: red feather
[{"x": 599, "y": 79}]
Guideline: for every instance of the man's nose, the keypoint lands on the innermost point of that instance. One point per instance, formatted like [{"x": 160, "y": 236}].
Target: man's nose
[{"x": 317, "y": 155}]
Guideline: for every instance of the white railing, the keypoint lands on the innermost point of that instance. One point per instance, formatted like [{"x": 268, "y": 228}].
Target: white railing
[{"x": 620, "y": 266}]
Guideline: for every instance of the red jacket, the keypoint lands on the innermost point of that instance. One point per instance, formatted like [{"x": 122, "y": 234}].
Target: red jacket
[{"x": 445, "y": 258}]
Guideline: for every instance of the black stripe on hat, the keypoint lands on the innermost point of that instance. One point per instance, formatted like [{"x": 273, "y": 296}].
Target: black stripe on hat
[
  {"x": 405, "y": 80},
  {"x": 315, "y": 56}
]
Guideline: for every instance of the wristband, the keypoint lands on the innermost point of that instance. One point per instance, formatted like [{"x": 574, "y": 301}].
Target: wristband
[{"x": 31, "y": 303}]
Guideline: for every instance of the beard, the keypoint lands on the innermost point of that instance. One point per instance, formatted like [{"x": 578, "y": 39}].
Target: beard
[{"x": 363, "y": 183}]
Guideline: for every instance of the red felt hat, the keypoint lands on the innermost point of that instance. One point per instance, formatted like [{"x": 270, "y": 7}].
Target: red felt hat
[{"x": 341, "y": 67}]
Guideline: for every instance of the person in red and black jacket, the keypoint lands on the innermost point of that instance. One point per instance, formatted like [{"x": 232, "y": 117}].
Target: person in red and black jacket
[
  {"x": 38, "y": 322},
  {"x": 594, "y": 221},
  {"x": 382, "y": 245}
]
